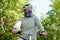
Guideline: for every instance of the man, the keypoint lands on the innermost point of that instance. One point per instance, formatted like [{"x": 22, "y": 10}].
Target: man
[{"x": 28, "y": 25}]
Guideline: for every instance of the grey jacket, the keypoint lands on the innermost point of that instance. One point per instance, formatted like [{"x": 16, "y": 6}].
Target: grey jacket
[{"x": 28, "y": 25}]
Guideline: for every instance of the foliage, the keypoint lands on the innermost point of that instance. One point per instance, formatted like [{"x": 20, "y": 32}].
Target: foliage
[
  {"x": 10, "y": 11},
  {"x": 52, "y": 22}
]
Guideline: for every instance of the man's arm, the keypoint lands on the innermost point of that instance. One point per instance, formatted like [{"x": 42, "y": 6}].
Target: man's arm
[
  {"x": 38, "y": 23},
  {"x": 16, "y": 28}
]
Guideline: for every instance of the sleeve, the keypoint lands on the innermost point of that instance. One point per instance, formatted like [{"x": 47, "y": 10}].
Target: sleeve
[
  {"x": 38, "y": 24},
  {"x": 18, "y": 25}
]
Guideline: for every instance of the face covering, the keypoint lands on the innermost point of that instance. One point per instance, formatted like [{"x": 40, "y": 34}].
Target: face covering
[{"x": 28, "y": 13}]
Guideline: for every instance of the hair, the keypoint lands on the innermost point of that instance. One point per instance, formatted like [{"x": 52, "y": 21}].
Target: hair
[{"x": 25, "y": 6}]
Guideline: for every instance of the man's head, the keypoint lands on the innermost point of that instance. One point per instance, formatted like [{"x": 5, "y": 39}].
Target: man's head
[{"x": 27, "y": 10}]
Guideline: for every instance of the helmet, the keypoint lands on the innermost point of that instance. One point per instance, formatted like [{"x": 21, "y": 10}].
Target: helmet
[{"x": 25, "y": 6}]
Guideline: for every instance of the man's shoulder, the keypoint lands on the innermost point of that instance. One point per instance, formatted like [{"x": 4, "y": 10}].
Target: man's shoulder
[
  {"x": 21, "y": 18},
  {"x": 34, "y": 16}
]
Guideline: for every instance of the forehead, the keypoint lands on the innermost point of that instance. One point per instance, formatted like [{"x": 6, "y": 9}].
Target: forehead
[{"x": 29, "y": 7}]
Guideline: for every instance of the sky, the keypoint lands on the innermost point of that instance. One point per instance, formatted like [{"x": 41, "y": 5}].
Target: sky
[{"x": 40, "y": 7}]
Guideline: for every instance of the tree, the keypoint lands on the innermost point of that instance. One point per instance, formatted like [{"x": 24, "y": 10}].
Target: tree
[
  {"x": 52, "y": 22},
  {"x": 10, "y": 11}
]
